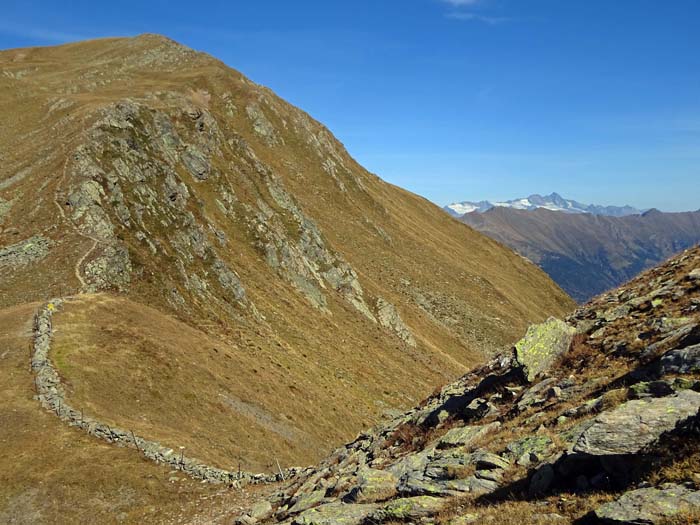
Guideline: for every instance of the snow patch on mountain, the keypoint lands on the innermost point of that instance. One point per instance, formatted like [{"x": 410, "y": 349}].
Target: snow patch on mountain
[{"x": 553, "y": 202}]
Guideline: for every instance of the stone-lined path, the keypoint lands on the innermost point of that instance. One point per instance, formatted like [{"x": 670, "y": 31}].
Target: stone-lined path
[{"x": 51, "y": 395}]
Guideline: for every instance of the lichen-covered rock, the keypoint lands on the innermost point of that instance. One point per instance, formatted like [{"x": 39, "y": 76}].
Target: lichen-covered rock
[
  {"x": 409, "y": 509},
  {"x": 374, "y": 485},
  {"x": 529, "y": 449},
  {"x": 464, "y": 436},
  {"x": 542, "y": 345},
  {"x": 24, "y": 253},
  {"x": 336, "y": 514},
  {"x": 649, "y": 506},
  {"x": 308, "y": 500},
  {"x": 637, "y": 424},
  {"x": 111, "y": 269},
  {"x": 261, "y": 510},
  {"x": 488, "y": 461}
]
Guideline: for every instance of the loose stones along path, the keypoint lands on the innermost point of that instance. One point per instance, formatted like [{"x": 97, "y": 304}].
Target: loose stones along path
[{"x": 51, "y": 395}]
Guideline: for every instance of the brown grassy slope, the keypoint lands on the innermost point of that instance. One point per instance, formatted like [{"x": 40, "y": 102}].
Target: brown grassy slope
[
  {"x": 459, "y": 293},
  {"x": 50, "y": 473},
  {"x": 224, "y": 401},
  {"x": 611, "y": 360}
]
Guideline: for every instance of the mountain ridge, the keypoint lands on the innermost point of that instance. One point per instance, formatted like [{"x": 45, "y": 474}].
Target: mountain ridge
[
  {"x": 233, "y": 282},
  {"x": 587, "y": 254},
  {"x": 553, "y": 202}
]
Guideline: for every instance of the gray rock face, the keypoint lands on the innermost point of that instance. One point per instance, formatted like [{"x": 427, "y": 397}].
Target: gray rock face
[
  {"x": 683, "y": 361},
  {"x": 374, "y": 485},
  {"x": 637, "y": 424},
  {"x": 262, "y": 126},
  {"x": 24, "y": 252},
  {"x": 196, "y": 163},
  {"x": 464, "y": 436},
  {"x": 110, "y": 269},
  {"x": 649, "y": 506},
  {"x": 336, "y": 514},
  {"x": 388, "y": 316},
  {"x": 542, "y": 345}
]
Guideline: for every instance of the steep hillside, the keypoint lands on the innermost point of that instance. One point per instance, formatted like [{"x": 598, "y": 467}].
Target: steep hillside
[
  {"x": 234, "y": 282},
  {"x": 595, "y": 420},
  {"x": 587, "y": 254}
]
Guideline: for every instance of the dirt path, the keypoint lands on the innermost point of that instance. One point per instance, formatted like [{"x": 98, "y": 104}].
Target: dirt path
[{"x": 95, "y": 242}]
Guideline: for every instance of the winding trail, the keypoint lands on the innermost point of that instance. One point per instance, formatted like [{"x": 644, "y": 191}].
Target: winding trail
[
  {"x": 78, "y": 273},
  {"x": 57, "y": 201},
  {"x": 51, "y": 393}
]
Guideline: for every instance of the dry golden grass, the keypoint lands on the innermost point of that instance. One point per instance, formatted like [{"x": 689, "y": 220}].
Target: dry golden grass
[
  {"x": 685, "y": 518},
  {"x": 569, "y": 506},
  {"x": 410, "y": 437},
  {"x": 324, "y": 376},
  {"x": 51, "y": 473},
  {"x": 225, "y": 399},
  {"x": 227, "y": 386}
]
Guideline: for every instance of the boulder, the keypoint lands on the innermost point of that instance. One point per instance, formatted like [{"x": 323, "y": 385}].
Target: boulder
[
  {"x": 534, "y": 448},
  {"x": 488, "y": 461},
  {"x": 261, "y": 510},
  {"x": 542, "y": 345},
  {"x": 681, "y": 361},
  {"x": 374, "y": 485},
  {"x": 464, "y": 436},
  {"x": 537, "y": 394},
  {"x": 649, "y": 506},
  {"x": 637, "y": 424},
  {"x": 308, "y": 500},
  {"x": 408, "y": 509},
  {"x": 336, "y": 514},
  {"x": 541, "y": 480}
]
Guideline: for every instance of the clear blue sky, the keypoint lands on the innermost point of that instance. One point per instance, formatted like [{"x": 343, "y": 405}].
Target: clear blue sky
[{"x": 455, "y": 99}]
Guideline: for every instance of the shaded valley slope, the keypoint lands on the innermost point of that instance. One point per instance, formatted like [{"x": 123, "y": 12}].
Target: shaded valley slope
[{"x": 587, "y": 254}]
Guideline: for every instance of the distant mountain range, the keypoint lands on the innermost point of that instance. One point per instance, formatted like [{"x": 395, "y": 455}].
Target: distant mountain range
[
  {"x": 588, "y": 253},
  {"x": 552, "y": 202}
]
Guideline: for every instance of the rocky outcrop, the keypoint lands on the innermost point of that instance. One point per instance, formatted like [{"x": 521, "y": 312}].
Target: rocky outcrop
[
  {"x": 553, "y": 415},
  {"x": 389, "y": 317},
  {"x": 637, "y": 424},
  {"x": 649, "y": 506},
  {"x": 682, "y": 361},
  {"x": 24, "y": 253}
]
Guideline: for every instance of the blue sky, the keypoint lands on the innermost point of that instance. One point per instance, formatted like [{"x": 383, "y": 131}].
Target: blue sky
[{"x": 598, "y": 100}]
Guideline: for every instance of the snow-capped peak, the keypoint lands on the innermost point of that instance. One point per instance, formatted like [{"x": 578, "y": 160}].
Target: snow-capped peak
[{"x": 553, "y": 202}]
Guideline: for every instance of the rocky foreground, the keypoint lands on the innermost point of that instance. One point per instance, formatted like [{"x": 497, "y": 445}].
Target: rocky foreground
[{"x": 590, "y": 420}]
